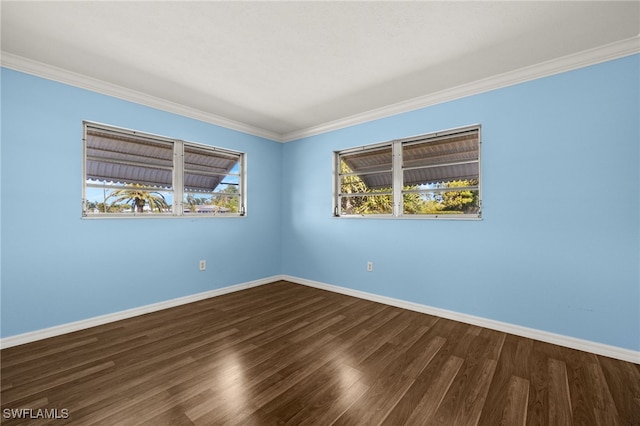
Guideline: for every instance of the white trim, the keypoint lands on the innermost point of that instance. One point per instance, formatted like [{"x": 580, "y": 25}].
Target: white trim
[
  {"x": 618, "y": 49},
  {"x": 45, "y": 333},
  {"x": 531, "y": 333},
  {"x": 574, "y": 61},
  {"x": 49, "y": 72}
]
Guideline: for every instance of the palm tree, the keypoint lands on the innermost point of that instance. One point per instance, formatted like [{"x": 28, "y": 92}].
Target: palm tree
[{"x": 139, "y": 198}]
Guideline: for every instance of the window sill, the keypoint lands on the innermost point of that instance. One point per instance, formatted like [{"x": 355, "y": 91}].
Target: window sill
[
  {"x": 159, "y": 216},
  {"x": 413, "y": 217}
]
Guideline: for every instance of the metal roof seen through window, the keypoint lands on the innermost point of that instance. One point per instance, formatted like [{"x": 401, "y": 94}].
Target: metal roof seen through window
[
  {"x": 129, "y": 159},
  {"x": 426, "y": 160}
]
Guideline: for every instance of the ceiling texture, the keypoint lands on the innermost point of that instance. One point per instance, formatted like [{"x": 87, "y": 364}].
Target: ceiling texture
[{"x": 288, "y": 69}]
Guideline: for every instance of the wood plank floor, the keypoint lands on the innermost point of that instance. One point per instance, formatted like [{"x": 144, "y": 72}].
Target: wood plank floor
[{"x": 289, "y": 354}]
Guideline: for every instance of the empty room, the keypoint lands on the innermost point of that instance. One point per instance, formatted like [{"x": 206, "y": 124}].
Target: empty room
[{"x": 331, "y": 212}]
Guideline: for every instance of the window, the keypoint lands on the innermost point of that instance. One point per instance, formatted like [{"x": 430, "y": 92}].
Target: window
[
  {"x": 129, "y": 173},
  {"x": 436, "y": 175}
]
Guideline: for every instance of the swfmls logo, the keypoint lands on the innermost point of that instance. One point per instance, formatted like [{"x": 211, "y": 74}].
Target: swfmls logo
[{"x": 30, "y": 413}]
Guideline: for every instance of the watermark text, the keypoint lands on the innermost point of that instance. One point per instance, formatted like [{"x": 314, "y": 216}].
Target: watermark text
[{"x": 39, "y": 413}]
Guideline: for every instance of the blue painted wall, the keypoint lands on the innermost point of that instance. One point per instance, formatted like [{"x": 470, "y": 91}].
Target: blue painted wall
[
  {"x": 58, "y": 268},
  {"x": 558, "y": 248}
]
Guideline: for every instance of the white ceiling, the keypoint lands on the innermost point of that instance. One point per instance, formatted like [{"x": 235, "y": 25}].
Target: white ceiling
[{"x": 284, "y": 67}]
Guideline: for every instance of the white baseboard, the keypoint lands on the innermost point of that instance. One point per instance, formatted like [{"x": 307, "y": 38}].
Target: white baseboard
[
  {"x": 531, "y": 333},
  {"x": 129, "y": 313}
]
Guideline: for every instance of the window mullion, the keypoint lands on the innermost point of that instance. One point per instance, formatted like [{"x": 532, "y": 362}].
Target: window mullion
[
  {"x": 178, "y": 178},
  {"x": 336, "y": 185},
  {"x": 397, "y": 178},
  {"x": 242, "y": 201}
]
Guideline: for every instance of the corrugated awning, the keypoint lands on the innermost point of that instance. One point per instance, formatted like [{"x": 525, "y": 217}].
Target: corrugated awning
[
  {"x": 441, "y": 159},
  {"x": 130, "y": 159},
  {"x": 204, "y": 170},
  {"x": 425, "y": 160},
  {"x": 373, "y": 166}
]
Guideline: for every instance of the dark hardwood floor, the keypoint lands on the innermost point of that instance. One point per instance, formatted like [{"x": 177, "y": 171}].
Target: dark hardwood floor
[{"x": 289, "y": 354}]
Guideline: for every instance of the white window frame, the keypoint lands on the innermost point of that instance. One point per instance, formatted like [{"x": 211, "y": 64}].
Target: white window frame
[
  {"x": 177, "y": 172},
  {"x": 397, "y": 171}
]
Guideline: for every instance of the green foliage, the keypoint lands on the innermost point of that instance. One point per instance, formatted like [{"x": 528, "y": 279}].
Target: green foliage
[
  {"x": 193, "y": 201},
  {"x": 138, "y": 197},
  {"x": 461, "y": 201},
  {"x": 437, "y": 202},
  {"x": 112, "y": 208},
  {"x": 228, "y": 202},
  {"x": 372, "y": 201}
]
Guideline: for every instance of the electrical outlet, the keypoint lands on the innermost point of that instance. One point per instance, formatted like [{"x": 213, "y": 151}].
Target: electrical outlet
[
  {"x": 369, "y": 266},
  {"x": 203, "y": 265}
]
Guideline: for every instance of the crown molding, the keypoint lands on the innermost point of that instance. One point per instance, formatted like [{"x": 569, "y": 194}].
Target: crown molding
[
  {"x": 574, "y": 61},
  {"x": 49, "y": 72}
]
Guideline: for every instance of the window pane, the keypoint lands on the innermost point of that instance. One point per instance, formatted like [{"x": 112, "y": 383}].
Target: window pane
[
  {"x": 368, "y": 169},
  {"x": 454, "y": 148},
  {"x": 218, "y": 203},
  {"x": 367, "y": 205},
  {"x": 353, "y": 184},
  {"x": 439, "y": 202},
  {"x": 441, "y": 159},
  {"x": 124, "y": 159},
  {"x": 206, "y": 169},
  {"x": 105, "y": 197},
  {"x": 127, "y": 173},
  {"x": 441, "y": 174},
  {"x": 211, "y": 181}
]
